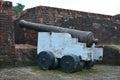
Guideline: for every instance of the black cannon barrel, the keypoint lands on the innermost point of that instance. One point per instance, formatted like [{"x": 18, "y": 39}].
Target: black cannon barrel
[{"x": 83, "y": 36}]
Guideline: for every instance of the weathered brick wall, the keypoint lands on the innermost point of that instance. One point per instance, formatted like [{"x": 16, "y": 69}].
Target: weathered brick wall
[
  {"x": 6, "y": 31},
  {"x": 27, "y": 54},
  {"x": 105, "y": 27}
]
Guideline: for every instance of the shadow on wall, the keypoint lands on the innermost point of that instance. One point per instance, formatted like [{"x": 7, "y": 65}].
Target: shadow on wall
[{"x": 111, "y": 55}]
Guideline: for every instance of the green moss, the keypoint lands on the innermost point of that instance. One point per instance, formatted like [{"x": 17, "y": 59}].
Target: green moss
[
  {"x": 56, "y": 71},
  {"x": 92, "y": 71},
  {"x": 39, "y": 71},
  {"x": 25, "y": 52}
]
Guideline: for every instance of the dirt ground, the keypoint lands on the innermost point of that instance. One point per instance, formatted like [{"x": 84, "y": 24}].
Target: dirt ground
[{"x": 99, "y": 72}]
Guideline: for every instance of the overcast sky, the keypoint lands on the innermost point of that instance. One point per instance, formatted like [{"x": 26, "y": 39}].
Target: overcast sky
[{"x": 107, "y": 7}]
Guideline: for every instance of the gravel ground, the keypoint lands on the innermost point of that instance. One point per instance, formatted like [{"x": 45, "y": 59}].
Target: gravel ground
[{"x": 99, "y": 72}]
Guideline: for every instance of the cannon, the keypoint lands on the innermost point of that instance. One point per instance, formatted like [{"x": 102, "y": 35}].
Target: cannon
[
  {"x": 83, "y": 36},
  {"x": 70, "y": 49}
]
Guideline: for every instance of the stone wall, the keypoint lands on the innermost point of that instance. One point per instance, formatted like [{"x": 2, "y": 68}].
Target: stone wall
[
  {"x": 105, "y": 27},
  {"x": 26, "y": 54},
  {"x": 6, "y": 31}
]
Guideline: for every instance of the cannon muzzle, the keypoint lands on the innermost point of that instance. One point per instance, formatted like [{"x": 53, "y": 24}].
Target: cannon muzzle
[{"x": 83, "y": 36}]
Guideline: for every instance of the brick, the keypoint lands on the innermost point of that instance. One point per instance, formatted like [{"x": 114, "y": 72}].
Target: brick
[
  {"x": 101, "y": 25},
  {"x": 6, "y": 31}
]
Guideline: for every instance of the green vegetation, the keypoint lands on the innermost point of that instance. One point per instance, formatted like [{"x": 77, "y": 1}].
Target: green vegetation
[
  {"x": 18, "y": 8},
  {"x": 118, "y": 15},
  {"x": 57, "y": 71}
]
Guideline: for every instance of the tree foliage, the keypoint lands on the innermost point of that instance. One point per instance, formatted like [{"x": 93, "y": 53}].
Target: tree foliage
[
  {"x": 18, "y": 8},
  {"x": 118, "y": 15}
]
